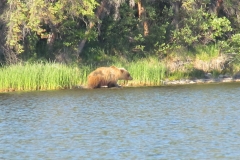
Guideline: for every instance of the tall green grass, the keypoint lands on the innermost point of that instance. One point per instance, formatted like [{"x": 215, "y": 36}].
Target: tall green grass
[
  {"x": 145, "y": 72},
  {"x": 51, "y": 76},
  {"x": 39, "y": 76},
  {"x": 207, "y": 53}
]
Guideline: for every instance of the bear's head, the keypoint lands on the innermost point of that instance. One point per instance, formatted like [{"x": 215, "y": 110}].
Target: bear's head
[{"x": 125, "y": 75}]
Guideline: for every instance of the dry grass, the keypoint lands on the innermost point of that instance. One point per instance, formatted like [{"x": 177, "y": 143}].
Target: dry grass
[{"x": 216, "y": 63}]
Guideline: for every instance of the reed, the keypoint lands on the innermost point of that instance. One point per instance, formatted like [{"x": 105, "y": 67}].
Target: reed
[
  {"x": 38, "y": 76},
  {"x": 145, "y": 72},
  {"x": 51, "y": 76}
]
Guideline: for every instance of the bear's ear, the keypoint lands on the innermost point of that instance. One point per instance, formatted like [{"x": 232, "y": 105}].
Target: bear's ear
[{"x": 122, "y": 70}]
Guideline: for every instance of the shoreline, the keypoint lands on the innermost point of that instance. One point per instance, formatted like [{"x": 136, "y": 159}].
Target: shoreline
[
  {"x": 188, "y": 82},
  {"x": 164, "y": 83},
  {"x": 200, "y": 81}
]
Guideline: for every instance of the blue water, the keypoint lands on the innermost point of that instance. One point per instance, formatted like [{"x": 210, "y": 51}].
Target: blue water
[{"x": 171, "y": 122}]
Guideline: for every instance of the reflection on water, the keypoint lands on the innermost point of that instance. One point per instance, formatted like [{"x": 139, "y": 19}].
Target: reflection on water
[{"x": 173, "y": 122}]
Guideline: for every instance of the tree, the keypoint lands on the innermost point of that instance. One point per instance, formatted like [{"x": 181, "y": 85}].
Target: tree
[
  {"x": 46, "y": 28},
  {"x": 196, "y": 26},
  {"x": 3, "y": 6},
  {"x": 98, "y": 13},
  {"x": 39, "y": 19}
]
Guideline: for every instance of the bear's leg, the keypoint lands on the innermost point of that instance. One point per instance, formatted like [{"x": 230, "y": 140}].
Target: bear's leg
[
  {"x": 98, "y": 86},
  {"x": 110, "y": 85}
]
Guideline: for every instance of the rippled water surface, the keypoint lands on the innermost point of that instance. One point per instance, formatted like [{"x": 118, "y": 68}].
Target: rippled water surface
[{"x": 172, "y": 122}]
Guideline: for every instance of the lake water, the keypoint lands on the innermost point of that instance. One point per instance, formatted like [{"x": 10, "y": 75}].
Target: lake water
[{"x": 169, "y": 122}]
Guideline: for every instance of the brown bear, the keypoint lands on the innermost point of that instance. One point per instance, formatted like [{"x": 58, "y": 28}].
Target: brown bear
[{"x": 107, "y": 76}]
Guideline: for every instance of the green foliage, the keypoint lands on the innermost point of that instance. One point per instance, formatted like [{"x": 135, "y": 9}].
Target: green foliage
[
  {"x": 200, "y": 27},
  {"x": 124, "y": 35},
  {"x": 232, "y": 48},
  {"x": 17, "y": 19},
  {"x": 39, "y": 76},
  {"x": 117, "y": 34},
  {"x": 220, "y": 26},
  {"x": 159, "y": 25},
  {"x": 232, "y": 45},
  {"x": 207, "y": 53},
  {"x": 43, "y": 29},
  {"x": 44, "y": 17}
]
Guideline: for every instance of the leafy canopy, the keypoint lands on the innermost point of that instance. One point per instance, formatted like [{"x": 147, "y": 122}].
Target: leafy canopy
[{"x": 27, "y": 17}]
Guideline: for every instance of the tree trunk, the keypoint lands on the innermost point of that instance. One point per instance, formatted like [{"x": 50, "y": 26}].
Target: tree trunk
[
  {"x": 140, "y": 9},
  {"x": 216, "y": 6},
  {"x": 145, "y": 28},
  {"x": 176, "y": 6},
  {"x": 98, "y": 13},
  {"x": 142, "y": 16},
  {"x": 219, "y": 6}
]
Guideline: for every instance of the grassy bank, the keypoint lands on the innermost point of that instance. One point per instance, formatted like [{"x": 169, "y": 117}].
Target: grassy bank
[
  {"x": 38, "y": 76},
  {"x": 150, "y": 71},
  {"x": 146, "y": 72},
  {"x": 51, "y": 76}
]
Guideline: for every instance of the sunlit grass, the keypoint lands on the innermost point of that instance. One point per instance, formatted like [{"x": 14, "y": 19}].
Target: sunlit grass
[
  {"x": 207, "y": 53},
  {"x": 39, "y": 76},
  {"x": 148, "y": 71},
  {"x": 178, "y": 75},
  {"x": 145, "y": 72},
  {"x": 51, "y": 76}
]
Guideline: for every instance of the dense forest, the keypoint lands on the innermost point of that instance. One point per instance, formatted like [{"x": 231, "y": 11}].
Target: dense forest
[{"x": 83, "y": 30}]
